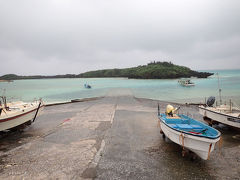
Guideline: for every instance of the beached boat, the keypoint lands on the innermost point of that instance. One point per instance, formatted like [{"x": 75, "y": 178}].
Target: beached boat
[
  {"x": 87, "y": 86},
  {"x": 15, "y": 114},
  {"x": 186, "y": 82},
  {"x": 189, "y": 133},
  {"x": 223, "y": 113},
  {"x": 220, "y": 113}
]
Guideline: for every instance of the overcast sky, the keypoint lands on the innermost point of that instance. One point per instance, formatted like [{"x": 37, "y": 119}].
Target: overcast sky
[{"x": 73, "y": 36}]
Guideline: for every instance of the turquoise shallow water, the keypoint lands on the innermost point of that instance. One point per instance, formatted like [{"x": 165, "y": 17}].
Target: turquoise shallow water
[{"x": 58, "y": 90}]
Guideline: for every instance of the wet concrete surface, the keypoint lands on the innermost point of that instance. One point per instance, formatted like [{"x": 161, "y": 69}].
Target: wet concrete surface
[
  {"x": 62, "y": 142},
  {"x": 116, "y": 137}
]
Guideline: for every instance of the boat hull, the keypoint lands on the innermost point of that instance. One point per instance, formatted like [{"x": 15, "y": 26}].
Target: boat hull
[
  {"x": 19, "y": 118},
  {"x": 188, "y": 85},
  {"x": 199, "y": 145},
  {"x": 220, "y": 117}
]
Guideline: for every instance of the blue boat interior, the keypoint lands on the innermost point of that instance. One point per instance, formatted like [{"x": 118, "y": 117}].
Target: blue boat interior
[{"x": 188, "y": 125}]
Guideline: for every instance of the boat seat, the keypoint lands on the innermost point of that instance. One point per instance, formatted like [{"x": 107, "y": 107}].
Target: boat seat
[
  {"x": 184, "y": 126},
  {"x": 197, "y": 126},
  {"x": 173, "y": 125},
  {"x": 187, "y": 126},
  {"x": 173, "y": 121},
  {"x": 173, "y": 117},
  {"x": 185, "y": 121}
]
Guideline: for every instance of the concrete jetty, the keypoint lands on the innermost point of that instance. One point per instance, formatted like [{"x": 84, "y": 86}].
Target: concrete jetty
[{"x": 115, "y": 137}]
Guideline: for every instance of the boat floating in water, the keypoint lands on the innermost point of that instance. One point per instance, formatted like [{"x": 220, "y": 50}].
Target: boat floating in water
[
  {"x": 189, "y": 133},
  {"x": 186, "y": 82},
  {"x": 223, "y": 113},
  {"x": 16, "y": 114},
  {"x": 87, "y": 86}
]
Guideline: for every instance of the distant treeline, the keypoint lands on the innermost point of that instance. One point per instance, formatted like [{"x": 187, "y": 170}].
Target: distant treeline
[
  {"x": 153, "y": 70},
  {"x": 16, "y": 77}
]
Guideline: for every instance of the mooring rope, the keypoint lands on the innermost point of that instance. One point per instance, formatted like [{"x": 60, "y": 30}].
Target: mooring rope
[
  {"x": 220, "y": 145},
  {"x": 181, "y": 136},
  {"x": 210, "y": 146},
  {"x": 220, "y": 142}
]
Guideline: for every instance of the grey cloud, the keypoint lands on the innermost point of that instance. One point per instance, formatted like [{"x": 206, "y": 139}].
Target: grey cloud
[{"x": 78, "y": 36}]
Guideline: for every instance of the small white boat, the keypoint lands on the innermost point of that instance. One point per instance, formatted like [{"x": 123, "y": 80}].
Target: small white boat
[
  {"x": 19, "y": 113},
  {"x": 225, "y": 114},
  {"x": 186, "y": 82},
  {"x": 189, "y": 133}
]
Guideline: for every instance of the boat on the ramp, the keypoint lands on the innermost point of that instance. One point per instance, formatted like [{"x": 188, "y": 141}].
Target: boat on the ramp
[
  {"x": 188, "y": 133},
  {"x": 16, "y": 114},
  {"x": 227, "y": 114}
]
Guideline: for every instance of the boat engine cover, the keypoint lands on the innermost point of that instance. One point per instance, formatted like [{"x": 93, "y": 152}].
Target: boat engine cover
[{"x": 210, "y": 101}]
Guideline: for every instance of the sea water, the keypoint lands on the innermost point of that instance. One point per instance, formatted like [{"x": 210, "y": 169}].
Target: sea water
[{"x": 60, "y": 90}]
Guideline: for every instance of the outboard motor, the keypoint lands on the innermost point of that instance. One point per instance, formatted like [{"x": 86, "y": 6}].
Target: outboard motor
[{"x": 210, "y": 101}]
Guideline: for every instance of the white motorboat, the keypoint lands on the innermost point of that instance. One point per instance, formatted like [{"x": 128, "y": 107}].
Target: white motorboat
[
  {"x": 222, "y": 113},
  {"x": 186, "y": 82},
  {"x": 225, "y": 114},
  {"x": 19, "y": 113},
  {"x": 189, "y": 133}
]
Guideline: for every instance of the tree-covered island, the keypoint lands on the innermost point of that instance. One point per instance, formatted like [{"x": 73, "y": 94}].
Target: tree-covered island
[{"x": 153, "y": 70}]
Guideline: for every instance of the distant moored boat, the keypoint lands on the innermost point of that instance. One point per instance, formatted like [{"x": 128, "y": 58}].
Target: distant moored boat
[
  {"x": 87, "y": 86},
  {"x": 186, "y": 82}
]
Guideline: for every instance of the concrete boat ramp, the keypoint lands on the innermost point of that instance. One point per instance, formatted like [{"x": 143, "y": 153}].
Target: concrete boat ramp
[{"x": 115, "y": 137}]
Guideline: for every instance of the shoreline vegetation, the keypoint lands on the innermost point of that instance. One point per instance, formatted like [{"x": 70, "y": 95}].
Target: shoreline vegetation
[{"x": 153, "y": 70}]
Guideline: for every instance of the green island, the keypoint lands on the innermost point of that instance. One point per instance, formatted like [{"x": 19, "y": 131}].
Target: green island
[{"x": 153, "y": 70}]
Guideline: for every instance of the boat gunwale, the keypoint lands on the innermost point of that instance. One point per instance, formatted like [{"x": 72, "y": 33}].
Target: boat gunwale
[
  {"x": 185, "y": 132},
  {"x": 19, "y": 115},
  {"x": 219, "y": 113}
]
